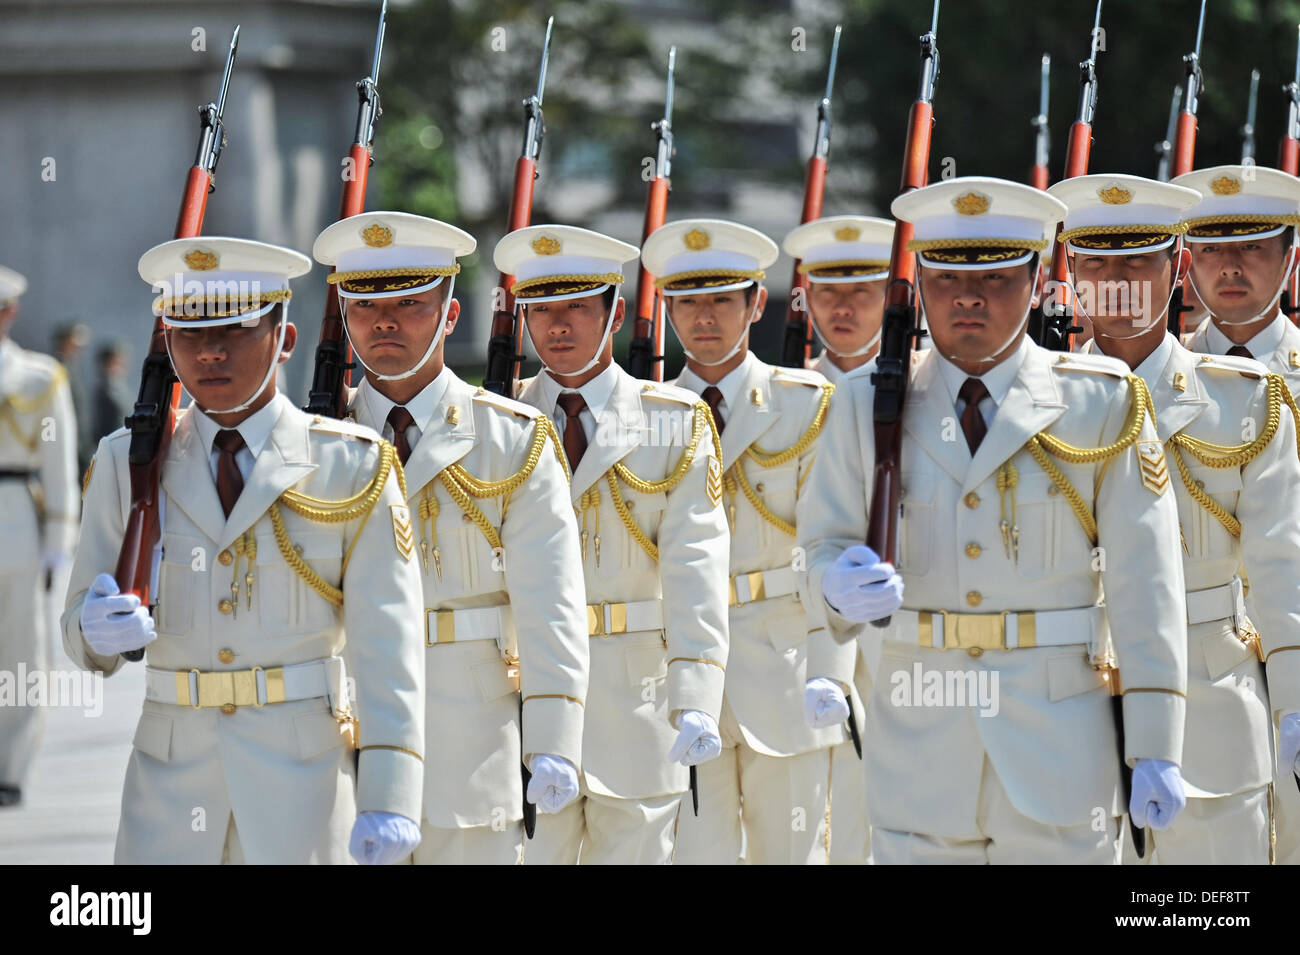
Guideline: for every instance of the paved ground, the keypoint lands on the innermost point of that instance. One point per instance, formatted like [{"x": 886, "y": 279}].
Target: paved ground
[{"x": 70, "y": 807}]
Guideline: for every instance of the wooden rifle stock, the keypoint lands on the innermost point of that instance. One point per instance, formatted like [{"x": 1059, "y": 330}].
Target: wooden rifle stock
[
  {"x": 797, "y": 344},
  {"x": 646, "y": 351},
  {"x": 1057, "y": 309},
  {"x": 503, "y": 347}
]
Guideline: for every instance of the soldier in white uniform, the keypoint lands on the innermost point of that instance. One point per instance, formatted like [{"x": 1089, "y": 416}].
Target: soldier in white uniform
[
  {"x": 773, "y": 779},
  {"x": 505, "y": 610},
  {"x": 1242, "y": 236},
  {"x": 647, "y": 488},
  {"x": 990, "y": 735},
  {"x": 846, "y": 261},
  {"x": 283, "y": 552},
  {"x": 38, "y": 501},
  {"x": 1123, "y": 232}
]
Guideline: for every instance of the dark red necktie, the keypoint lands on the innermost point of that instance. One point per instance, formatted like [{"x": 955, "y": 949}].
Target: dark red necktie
[
  {"x": 972, "y": 422},
  {"x": 575, "y": 439},
  {"x": 714, "y": 398},
  {"x": 229, "y": 481},
  {"x": 1240, "y": 351},
  {"x": 399, "y": 419}
]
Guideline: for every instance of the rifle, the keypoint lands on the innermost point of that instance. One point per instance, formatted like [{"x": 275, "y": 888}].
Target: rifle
[
  {"x": 899, "y": 331},
  {"x": 1165, "y": 148},
  {"x": 1288, "y": 160},
  {"x": 1043, "y": 141},
  {"x": 154, "y": 417},
  {"x": 794, "y": 348},
  {"x": 503, "y": 347},
  {"x": 1185, "y": 150},
  {"x": 1055, "y": 319},
  {"x": 645, "y": 354},
  {"x": 1248, "y": 131},
  {"x": 334, "y": 364}
]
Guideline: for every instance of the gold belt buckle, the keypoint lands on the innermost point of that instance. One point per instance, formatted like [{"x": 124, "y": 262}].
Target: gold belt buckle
[
  {"x": 596, "y": 619},
  {"x": 974, "y": 631},
  {"x": 757, "y": 587},
  {"x": 444, "y": 624}
]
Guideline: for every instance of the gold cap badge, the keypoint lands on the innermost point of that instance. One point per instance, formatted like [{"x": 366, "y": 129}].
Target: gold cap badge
[
  {"x": 1115, "y": 195},
  {"x": 971, "y": 204},
  {"x": 200, "y": 260},
  {"x": 847, "y": 234},
  {"x": 377, "y": 236},
  {"x": 545, "y": 245},
  {"x": 696, "y": 239},
  {"x": 1225, "y": 186}
]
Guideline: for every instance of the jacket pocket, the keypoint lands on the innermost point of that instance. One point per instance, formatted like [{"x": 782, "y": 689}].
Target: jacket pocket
[
  {"x": 286, "y": 603},
  {"x": 316, "y": 732},
  {"x": 918, "y": 490},
  {"x": 492, "y": 681},
  {"x": 153, "y": 736},
  {"x": 1071, "y": 676},
  {"x": 1224, "y": 652},
  {"x": 178, "y": 583}
]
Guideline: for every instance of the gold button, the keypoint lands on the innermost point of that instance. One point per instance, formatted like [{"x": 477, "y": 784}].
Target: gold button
[
  {"x": 974, "y": 598},
  {"x": 975, "y": 651},
  {"x": 297, "y": 549},
  {"x": 759, "y": 487},
  {"x": 972, "y": 500},
  {"x": 226, "y": 655},
  {"x": 1200, "y": 484},
  {"x": 224, "y": 605},
  {"x": 227, "y": 708},
  {"x": 226, "y": 558},
  {"x": 631, "y": 505},
  {"x": 466, "y": 518},
  {"x": 973, "y": 550},
  {"x": 1053, "y": 490},
  {"x": 317, "y": 419}
]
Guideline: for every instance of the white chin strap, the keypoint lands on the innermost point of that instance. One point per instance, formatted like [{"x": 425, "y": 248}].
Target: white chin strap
[
  {"x": 428, "y": 352},
  {"x": 1158, "y": 320},
  {"x": 744, "y": 334},
  {"x": 857, "y": 352},
  {"x": 991, "y": 359},
  {"x": 1271, "y": 307},
  {"x": 600, "y": 349},
  {"x": 266, "y": 379}
]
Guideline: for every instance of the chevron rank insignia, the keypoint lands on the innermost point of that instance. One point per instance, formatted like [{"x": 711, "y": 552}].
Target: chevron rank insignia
[
  {"x": 403, "y": 536},
  {"x": 713, "y": 483},
  {"x": 1151, "y": 459}
]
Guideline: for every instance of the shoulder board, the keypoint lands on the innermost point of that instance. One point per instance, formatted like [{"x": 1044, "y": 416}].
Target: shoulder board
[
  {"x": 1242, "y": 366},
  {"x": 657, "y": 389},
  {"x": 521, "y": 384},
  {"x": 798, "y": 376},
  {"x": 1096, "y": 364},
  {"x": 493, "y": 400},
  {"x": 345, "y": 426}
]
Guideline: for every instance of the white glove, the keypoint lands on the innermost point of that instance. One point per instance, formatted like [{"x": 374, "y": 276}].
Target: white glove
[
  {"x": 114, "y": 622},
  {"x": 697, "y": 739},
  {"x": 824, "y": 703},
  {"x": 1158, "y": 795},
  {"x": 382, "y": 838},
  {"x": 554, "y": 784},
  {"x": 1288, "y": 743},
  {"x": 860, "y": 587}
]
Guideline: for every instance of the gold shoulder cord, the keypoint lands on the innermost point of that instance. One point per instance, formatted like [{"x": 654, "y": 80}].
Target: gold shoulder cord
[
  {"x": 1042, "y": 443},
  {"x": 702, "y": 421},
  {"x": 464, "y": 487},
  {"x": 322, "y": 511},
  {"x": 12, "y": 405},
  {"x": 1232, "y": 456},
  {"x": 736, "y": 479}
]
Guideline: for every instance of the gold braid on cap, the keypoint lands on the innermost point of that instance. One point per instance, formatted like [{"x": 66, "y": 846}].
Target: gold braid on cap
[
  {"x": 736, "y": 479},
  {"x": 1178, "y": 228},
  {"x": 874, "y": 265},
  {"x": 925, "y": 245},
  {"x": 1232, "y": 456},
  {"x": 604, "y": 278},
  {"x": 464, "y": 487},
  {"x": 427, "y": 272},
  {"x": 1042, "y": 443},
  {"x": 1260, "y": 217},
  {"x": 168, "y": 304},
  {"x": 702, "y": 421},
  {"x": 723, "y": 277}
]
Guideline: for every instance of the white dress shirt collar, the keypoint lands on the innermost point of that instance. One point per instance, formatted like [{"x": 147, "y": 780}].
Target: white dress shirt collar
[
  {"x": 255, "y": 429},
  {"x": 596, "y": 393},
  {"x": 997, "y": 380},
  {"x": 1266, "y": 341},
  {"x": 422, "y": 407},
  {"x": 730, "y": 385}
]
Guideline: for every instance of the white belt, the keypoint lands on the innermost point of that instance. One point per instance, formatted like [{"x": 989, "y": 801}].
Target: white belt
[
  {"x": 253, "y": 687},
  {"x": 1007, "y": 630},
  {"x": 1216, "y": 603},
  {"x": 607, "y": 619},
  {"x": 458, "y": 626},
  {"x": 762, "y": 585}
]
